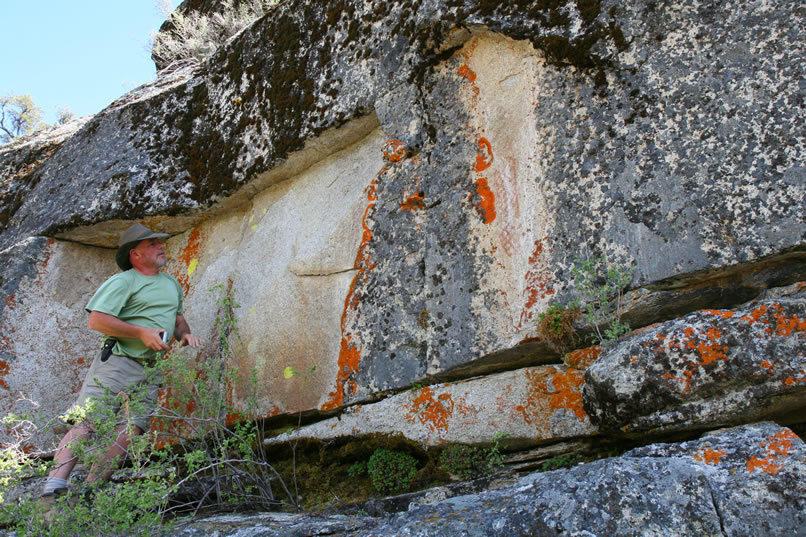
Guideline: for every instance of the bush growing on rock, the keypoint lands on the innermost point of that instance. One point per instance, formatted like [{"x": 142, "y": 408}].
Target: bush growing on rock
[
  {"x": 391, "y": 470},
  {"x": 194, "y": 37}
]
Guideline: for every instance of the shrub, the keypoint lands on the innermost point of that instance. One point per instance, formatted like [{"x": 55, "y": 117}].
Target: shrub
[
  {"x": 559, "y": 461},
  {"x": 464, "y": 462},
  {"x": 390, "y": 470},
  {"x": 601, "y": 283},
  {"x": 556, "y": 327},
  {"x": 194, "y": 37}
]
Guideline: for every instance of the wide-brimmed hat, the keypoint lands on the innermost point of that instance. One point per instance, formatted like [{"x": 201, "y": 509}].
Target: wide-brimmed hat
[{"x": 129, "y": 239}]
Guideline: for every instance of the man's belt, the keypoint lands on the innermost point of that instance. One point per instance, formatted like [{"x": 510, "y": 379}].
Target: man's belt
[{"x": 106, "y": 352}]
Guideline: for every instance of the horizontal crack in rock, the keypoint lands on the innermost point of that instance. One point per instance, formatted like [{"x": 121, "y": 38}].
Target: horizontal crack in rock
[{"x": 305, "y": 274}]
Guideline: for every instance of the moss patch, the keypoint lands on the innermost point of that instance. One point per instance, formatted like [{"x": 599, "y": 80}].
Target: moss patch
[{"x": 323, "y": 477}]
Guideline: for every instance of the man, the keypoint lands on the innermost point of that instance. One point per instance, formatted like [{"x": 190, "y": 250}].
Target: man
[{"x": 134, "y": 307}]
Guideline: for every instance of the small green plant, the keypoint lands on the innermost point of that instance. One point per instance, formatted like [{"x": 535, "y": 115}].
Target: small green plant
[
  {"x": 391, "y": 470},
  {"x": 468, "y": 462},
  {"x": 559, "y": 461},
  {"x": 357, "y": 469},
  {"x": 495, "y": 458},
  {"x": 556, "y": 326},
  {"x": 465, "y": 462},
  {"x": 600, "y": 284}
]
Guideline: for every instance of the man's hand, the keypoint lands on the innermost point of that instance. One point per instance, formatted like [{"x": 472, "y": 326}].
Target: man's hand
[
  {"x": 112, "y": 326},
  {"x": 190, "y": 339},
  {"x": 152, "y": 338},
  {"x": 183, "y": 335}
]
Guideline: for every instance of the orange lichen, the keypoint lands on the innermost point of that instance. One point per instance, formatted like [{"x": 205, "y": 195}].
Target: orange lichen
[
  {"x": 684, "y": 379},
  {"x": 186, "y": 256},
  {"x": 792, "y": 382},
  {"x": 582, "y": 358},
  {"x": 413, "y": 202},
  {"x": 776, "y": 448},
  {"x": 466, "y": 72},
  {"x": 710, "y": 456},
  {"x": 349, "y": 352},
  {"x": 435, "y": 414},
  {"x": 537, "y": 281},
  {"x": 706, "y": 345},
  {"x": 567, "y": 392},
  {"x": 11, "y": 302},
  {"x": 550, "y": 390},
  {"x": 710, "y": 350},
  {"x": 486, "y": 207},
  {"x": 394, "y": 150},
  {"x": 766, "y": 364},
  {"x": 4, "y": 370},
  {"x": 725, "y": 314},
  {"x": 776, "y": 322},
  {"x": 484, "y": 155}
]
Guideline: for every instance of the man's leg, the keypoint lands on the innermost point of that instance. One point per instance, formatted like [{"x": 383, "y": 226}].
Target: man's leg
[
  {"x": 64, "y": 460},
  {"x": 102, "y": 469}
]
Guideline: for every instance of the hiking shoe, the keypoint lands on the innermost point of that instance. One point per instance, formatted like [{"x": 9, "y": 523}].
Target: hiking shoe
[{"x": 47, "y": 503}]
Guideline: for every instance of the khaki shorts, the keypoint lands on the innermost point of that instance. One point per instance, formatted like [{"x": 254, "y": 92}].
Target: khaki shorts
[{"x": 117, "y": 383}]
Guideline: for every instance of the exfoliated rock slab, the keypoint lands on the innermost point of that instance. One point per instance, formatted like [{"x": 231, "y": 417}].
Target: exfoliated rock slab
[
  {"x": 758, "y": 479},
  {"x": 273, "y": 525},
  {"x": 734, "y": 482},
  {"x": 710, "y": 368},
  {"x": 531, "y": 405}
]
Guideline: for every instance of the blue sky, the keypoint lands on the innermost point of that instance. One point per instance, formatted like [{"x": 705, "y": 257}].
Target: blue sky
[{"x": 82, "y": 54}]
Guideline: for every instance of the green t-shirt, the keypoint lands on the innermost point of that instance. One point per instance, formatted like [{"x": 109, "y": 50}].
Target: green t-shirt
[{"x": 148, "y": 301}]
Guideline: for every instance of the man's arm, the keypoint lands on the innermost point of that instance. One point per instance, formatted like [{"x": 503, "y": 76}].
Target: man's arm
[
  {"x": 112, "y": 326},
  {"x": 182, "y": 333}
]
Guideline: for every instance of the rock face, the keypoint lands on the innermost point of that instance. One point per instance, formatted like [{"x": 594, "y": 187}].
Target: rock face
[
  {"x": 395, "y": 191},
  {"x": 733, "y": 482},
  {"x": 481, "y": 149}
]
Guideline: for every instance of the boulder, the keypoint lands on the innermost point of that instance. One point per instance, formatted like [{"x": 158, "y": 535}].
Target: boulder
[{"x": 708, "y": 369}]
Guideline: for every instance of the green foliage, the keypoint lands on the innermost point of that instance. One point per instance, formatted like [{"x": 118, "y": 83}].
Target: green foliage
[
  {"x": 18, "y": 116},
  {"x": 553, "y": 317},
  {"x": 134, "y": 507},
  {"x": 463, "y": 461},
  {"x": 495, "y": 459},
  {"x": 559, "y": 461},
  {"x": 469, "y": 462},
  {"x": 391, "y": 470},
  {"x": 600, "y": 283},
  {"x": 194, "y": 36},
  {"x": 357, "y": 469},
  {"x": 556, "y": 326}
]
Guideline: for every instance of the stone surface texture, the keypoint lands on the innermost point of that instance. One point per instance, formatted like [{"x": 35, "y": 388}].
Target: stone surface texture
[
  {"x": 532, "y": 405},
  {"x": 733, "y": 482},
  {"x": 394, "y": 191},
  {"x": 707, "y": 369}
]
